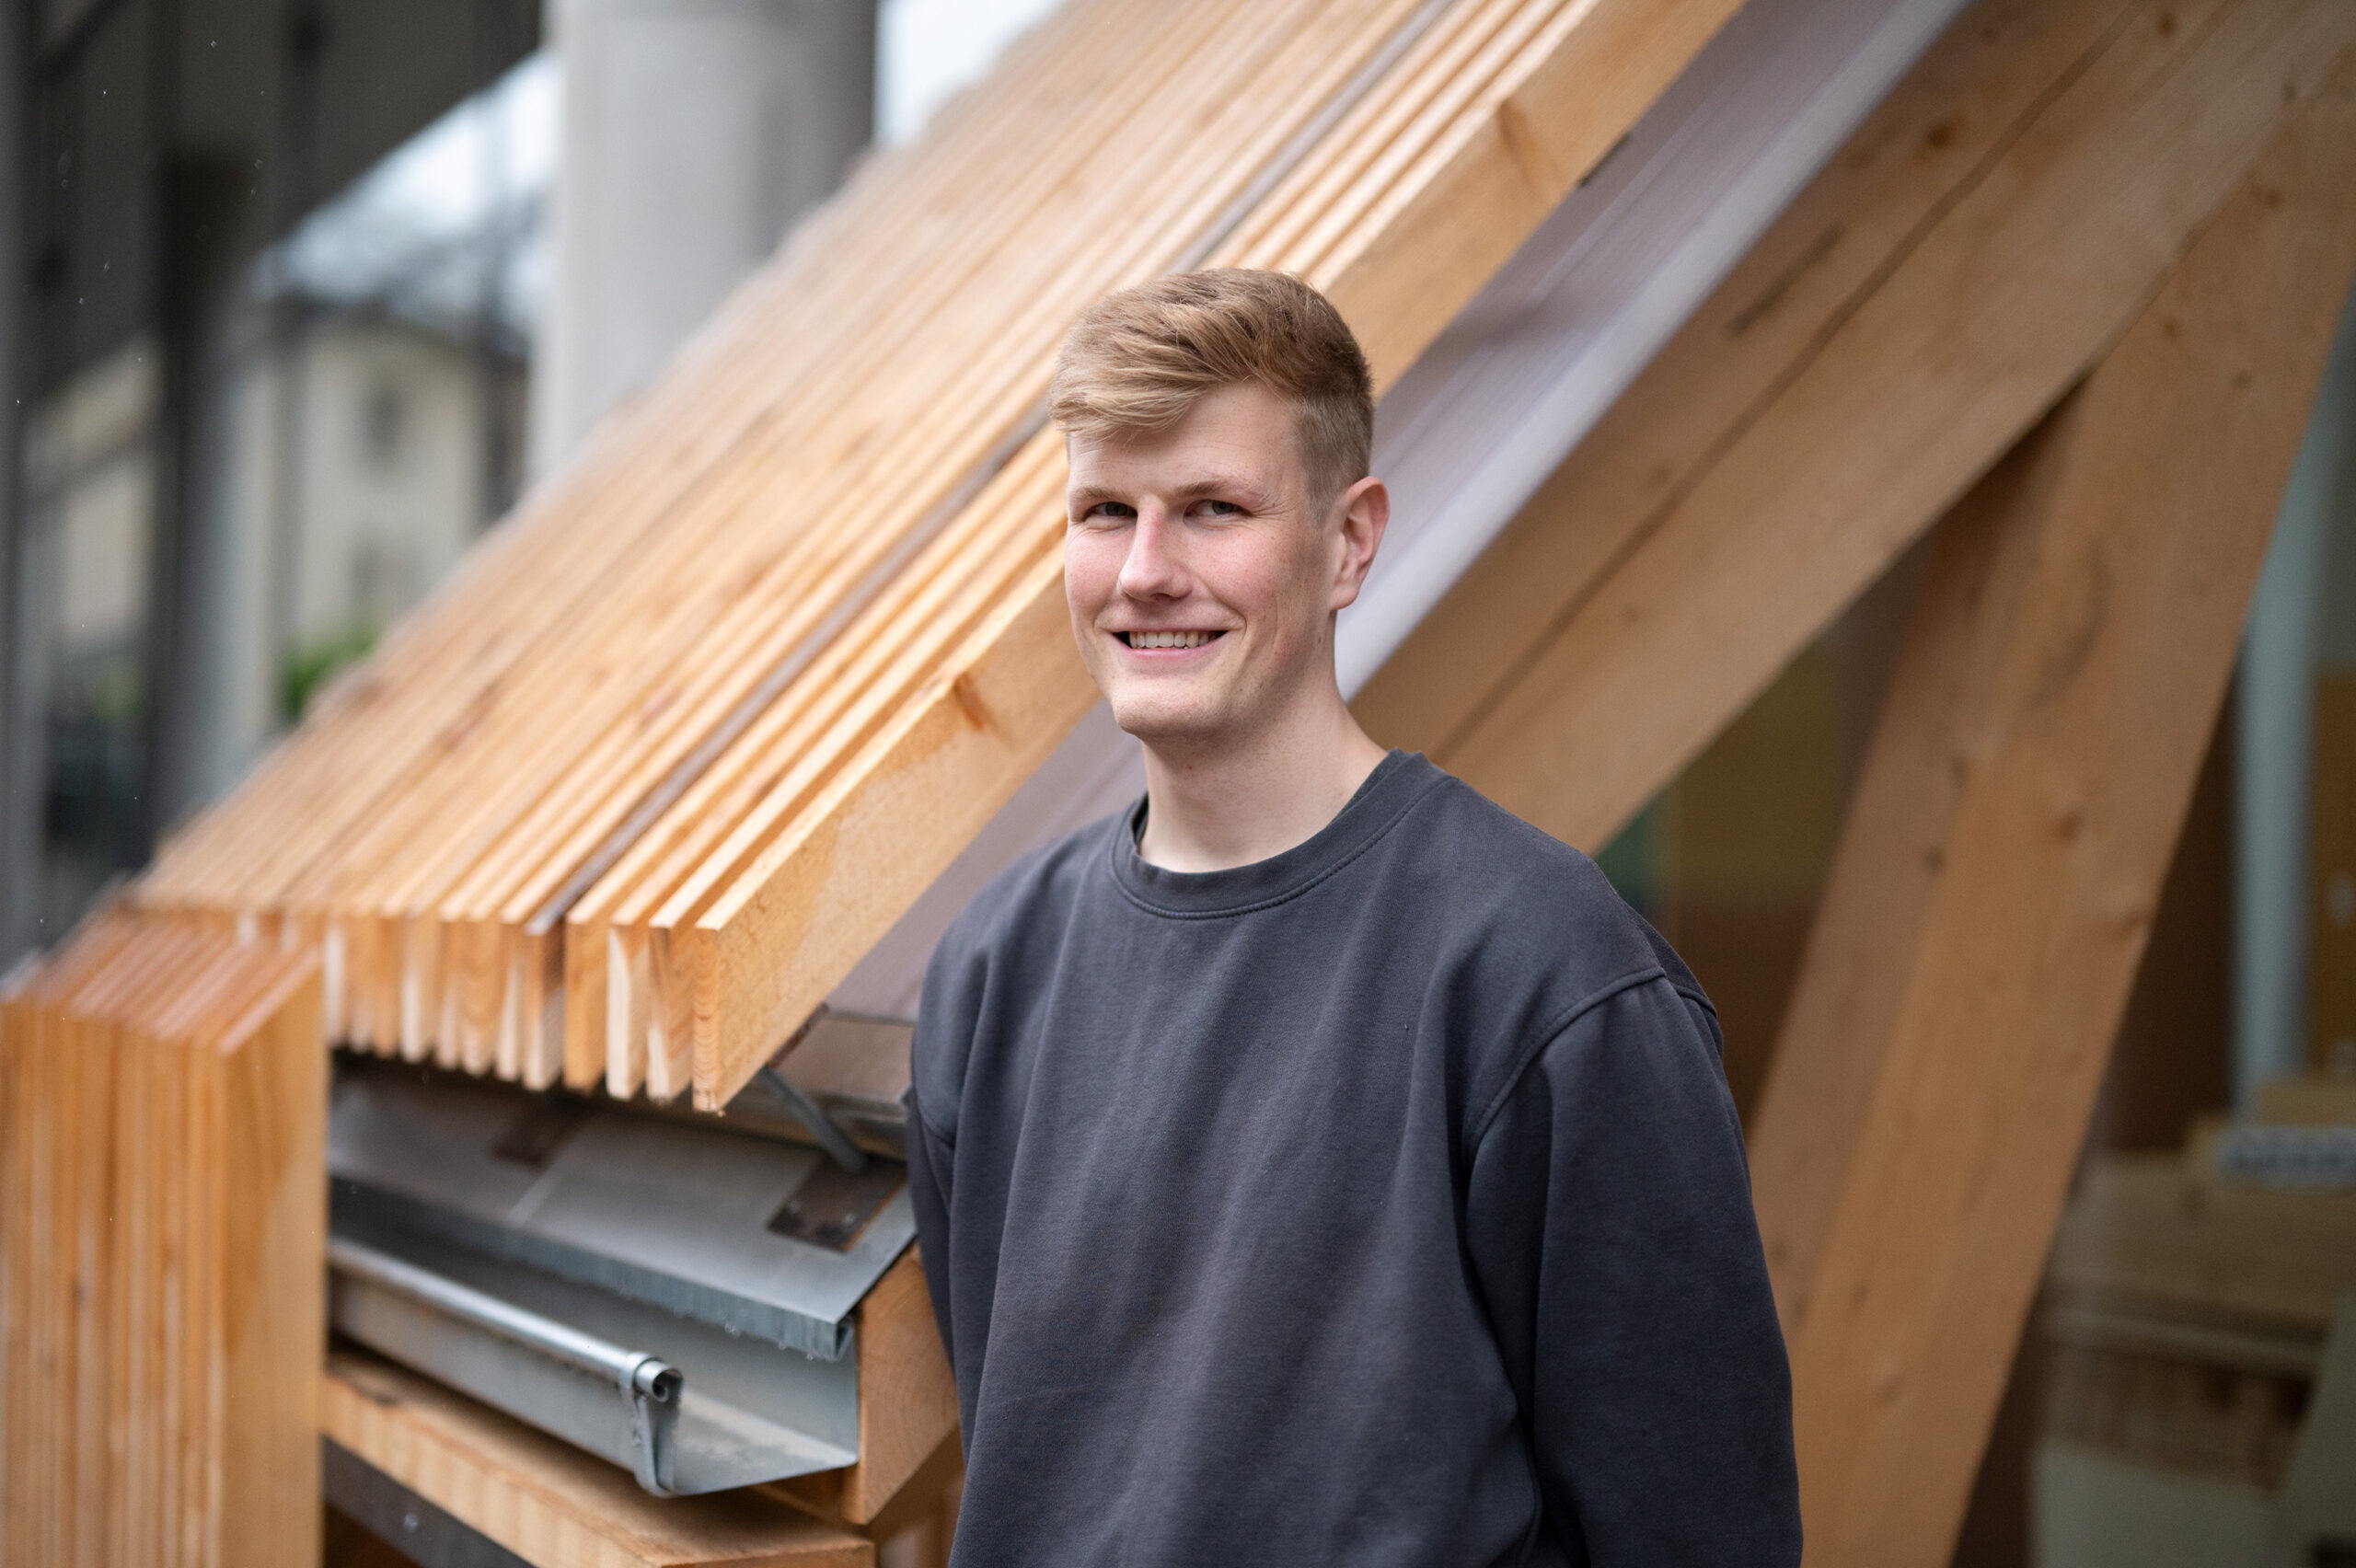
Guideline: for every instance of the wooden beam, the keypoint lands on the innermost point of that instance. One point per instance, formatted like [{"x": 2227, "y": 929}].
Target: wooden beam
[
  {"x": 547, "y": 1502},
  {"x": 1892, "y": 851},
  {"x": 2089, "y": 695},
  {"x": 1963, "y": 261}
]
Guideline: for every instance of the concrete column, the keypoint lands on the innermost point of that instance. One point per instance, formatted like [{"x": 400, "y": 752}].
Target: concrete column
[
  {"x": 2274, "y": 742},
  {"x": 695, "y": 132}
]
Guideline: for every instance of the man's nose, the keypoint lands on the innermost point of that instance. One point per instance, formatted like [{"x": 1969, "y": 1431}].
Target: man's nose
[{"x": 1154, "y": 568}]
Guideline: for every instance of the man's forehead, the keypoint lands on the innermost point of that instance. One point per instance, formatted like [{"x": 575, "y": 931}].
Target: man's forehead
[{"x": 1214, "y": 446}]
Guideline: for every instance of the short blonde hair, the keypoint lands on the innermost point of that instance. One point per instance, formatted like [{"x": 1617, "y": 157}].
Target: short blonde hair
[{"x": 1139, "y": 359}]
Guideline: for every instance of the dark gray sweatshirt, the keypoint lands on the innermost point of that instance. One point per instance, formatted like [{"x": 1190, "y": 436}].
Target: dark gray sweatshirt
[{"x": 1379, "y": 1203}]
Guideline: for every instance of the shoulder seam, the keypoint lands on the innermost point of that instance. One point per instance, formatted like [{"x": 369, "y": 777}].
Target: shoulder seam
[
  {"x": 916, "y": 1103},
  {"x": 1550, "y": 1032}
]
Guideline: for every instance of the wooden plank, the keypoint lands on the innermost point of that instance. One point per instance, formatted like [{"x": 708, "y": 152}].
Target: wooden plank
[
  {"x": 1416, "y": 237},
  {"x": 908, "y": 1399},
  {"x": 550, "y": 1503},
  {"x": 2153, "y": 1229},
  {"x": 2102, "y": 696},
  {"x": 270, "y": 1086},
  {"x": 492, "y": 1019},
  {"x": 1910, "y": 318}
]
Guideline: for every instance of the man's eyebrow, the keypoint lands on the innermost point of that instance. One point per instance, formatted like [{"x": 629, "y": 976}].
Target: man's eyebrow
[{"x": 1084, "y": 496}]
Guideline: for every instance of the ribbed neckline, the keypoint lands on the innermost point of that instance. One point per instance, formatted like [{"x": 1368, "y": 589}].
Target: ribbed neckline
[{"x": 1398, "y": 782}]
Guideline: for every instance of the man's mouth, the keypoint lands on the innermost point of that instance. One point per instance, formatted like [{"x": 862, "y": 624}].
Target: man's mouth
[{"x": 1167, "y": 639}]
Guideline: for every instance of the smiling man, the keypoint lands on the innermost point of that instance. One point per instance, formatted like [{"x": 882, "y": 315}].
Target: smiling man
[{"x": 1314, "y": 1163}]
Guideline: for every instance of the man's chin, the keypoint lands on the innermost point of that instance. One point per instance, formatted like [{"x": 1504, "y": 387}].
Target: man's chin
[{"x": 1163, "y": 723}]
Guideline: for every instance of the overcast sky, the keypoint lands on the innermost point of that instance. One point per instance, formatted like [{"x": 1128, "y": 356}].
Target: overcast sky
[{"x": 928, "y": 49}]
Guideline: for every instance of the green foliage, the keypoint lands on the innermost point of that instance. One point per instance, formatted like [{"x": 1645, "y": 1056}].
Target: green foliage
[{"x": 308, "y": 664}]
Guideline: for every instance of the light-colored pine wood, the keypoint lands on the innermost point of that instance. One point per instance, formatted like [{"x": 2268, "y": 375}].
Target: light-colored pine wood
[
  {"x": 1892, "y": 853},
  {"x": 767, "y": 510},
  {"x": 1917, "y": 153},
  {"x": 1909, "y": 385},
  {"x": 550, "y": 1503},
  {"x": 787, "y": 917},
  {"x": 2101, "y": 698},
  {"x": 163, "y": 1238},
  {"x": 2156, "y": 1228},
  {"x": 908, "y": 1399}
]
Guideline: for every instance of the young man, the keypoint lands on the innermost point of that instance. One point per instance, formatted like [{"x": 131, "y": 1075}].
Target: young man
[{"x": 1314, "y": 1163}]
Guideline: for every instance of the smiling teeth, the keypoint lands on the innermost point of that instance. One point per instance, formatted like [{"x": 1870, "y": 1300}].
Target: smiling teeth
[{"x": 1168, "y": 638}]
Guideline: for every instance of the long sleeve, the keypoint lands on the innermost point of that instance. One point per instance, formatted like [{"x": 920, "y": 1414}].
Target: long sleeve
[{"x": 1610, "y": 1224}]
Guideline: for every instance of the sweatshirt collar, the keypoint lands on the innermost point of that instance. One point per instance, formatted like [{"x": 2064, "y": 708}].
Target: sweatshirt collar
[{"x": 1397, "y": 782}]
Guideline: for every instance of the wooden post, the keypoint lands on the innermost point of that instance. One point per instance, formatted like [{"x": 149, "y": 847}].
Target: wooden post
[{"x": 2068, "y": 698}]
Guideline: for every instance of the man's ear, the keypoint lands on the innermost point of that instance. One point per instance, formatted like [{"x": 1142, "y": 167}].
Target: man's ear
[{"x": 1366, "y": 512}]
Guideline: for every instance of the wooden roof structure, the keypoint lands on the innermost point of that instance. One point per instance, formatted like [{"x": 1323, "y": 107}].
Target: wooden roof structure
[
  {"x": 701, "y": 724},
  {"x": 626, "y": 799}
]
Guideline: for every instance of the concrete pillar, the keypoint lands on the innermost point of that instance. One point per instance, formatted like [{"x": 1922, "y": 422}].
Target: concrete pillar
[
  {"x": 695, "y": 131},
  {"x": 2274, "y": 742}
]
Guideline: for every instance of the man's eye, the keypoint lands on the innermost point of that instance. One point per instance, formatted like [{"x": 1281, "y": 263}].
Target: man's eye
[
  {"x": 1222, "y": 509},
  {"x": 1111, "y": 511}
]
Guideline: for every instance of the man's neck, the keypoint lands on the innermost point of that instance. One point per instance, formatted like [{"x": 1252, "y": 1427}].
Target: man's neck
[{"x": 1213, "y": 809}]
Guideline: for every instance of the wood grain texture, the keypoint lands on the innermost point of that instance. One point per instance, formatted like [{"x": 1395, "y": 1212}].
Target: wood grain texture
[
  {"x": 162, "y": 1222},
  {"x": 701, "y": 721},
  {"x": 2100, "y": 697},
  {"x": 908, "y": 1399},
  {"x": 1935, "y": 725},
  {"x": 548, "y": 1502},
  {"x": 1417, "y": 221},
  {"x": 1965, "y": 259}
]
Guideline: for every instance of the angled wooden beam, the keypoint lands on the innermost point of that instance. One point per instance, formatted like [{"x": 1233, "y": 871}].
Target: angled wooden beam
[
  {"x": 1892, "y": 849},
  {"x": 1965, "y": 260},
  {"x": 2066, "y": 676}
]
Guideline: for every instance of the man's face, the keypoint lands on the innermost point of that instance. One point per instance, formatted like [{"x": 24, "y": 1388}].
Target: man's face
[{"x": 1202, "y": 574}]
